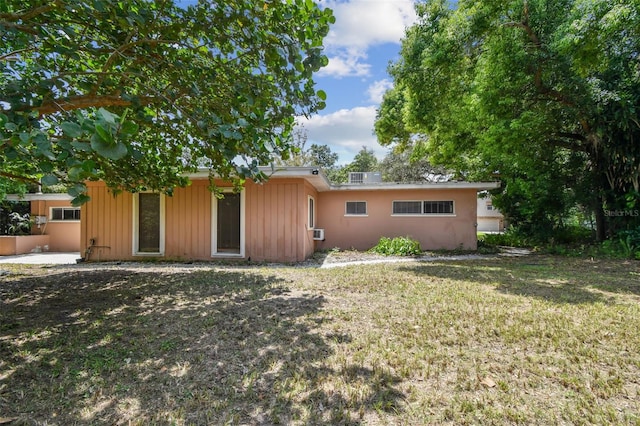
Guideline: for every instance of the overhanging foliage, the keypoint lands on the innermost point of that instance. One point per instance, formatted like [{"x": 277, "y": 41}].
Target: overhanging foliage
[{"x": 139, "y": 92}]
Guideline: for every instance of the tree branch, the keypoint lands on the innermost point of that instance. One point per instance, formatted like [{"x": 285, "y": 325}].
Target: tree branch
[
  {"x": 526, "y": 26},
  {"x": 14, "y": 17},
  {"x": 86, "y": 101},
  {"x": 23, "y": 28},
  {"x": 563, "y": 143},
  {"x": 12, "y": 56},
  {"x": 20, "y": 178},
  {"x": 120, "y": 50}
]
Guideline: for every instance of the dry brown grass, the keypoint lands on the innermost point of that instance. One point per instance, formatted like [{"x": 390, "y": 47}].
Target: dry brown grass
[{"x": 534, "y": 340}]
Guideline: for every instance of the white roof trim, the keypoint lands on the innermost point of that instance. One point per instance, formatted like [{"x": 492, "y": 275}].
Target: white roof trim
[
  {"x": 313, "y": 175},
  {"x": 386, "y": 186},
  {"x": 39, "y": 197},
  {"x": 316, "y": 177}
]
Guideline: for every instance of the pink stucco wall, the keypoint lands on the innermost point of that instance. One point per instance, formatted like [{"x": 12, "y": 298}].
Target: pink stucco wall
[
  {"x": 22, "y": 244},
  {"x": 64, "y": 236},
  {"x": 363, "y": 232}
]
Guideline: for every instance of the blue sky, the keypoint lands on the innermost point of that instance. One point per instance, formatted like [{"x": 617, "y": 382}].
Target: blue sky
[{"x": 365, "y": 37}]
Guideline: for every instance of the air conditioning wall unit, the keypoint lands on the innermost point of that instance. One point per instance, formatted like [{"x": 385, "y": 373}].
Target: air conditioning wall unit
[
  {"x": 356, "y": 177},
  {"x": 318, "y": 234}
]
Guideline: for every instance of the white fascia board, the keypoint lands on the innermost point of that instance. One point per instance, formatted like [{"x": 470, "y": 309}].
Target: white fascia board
[
  {"x": 39, "y": 197},
  {"x": 478, "y": 186},
  {"x": 314, "y": 175}
]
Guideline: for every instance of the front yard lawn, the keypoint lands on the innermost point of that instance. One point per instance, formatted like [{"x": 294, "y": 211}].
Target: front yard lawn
[{"x": 531, "y": 340}]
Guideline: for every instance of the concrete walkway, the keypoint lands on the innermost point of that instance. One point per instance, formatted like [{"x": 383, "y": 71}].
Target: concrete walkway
[
  {"x": 402, "y": 259},
  {"x": 42, "y": 258}
]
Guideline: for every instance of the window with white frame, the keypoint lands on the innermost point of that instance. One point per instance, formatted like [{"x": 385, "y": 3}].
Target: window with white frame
[
  {"x": 416, "y": 208},
  {"x": 65, "y": 213},
  {"x": 148, "y": 223},
  {"x": 356, "y": 208},
  {"x": 312, "y": 213}
]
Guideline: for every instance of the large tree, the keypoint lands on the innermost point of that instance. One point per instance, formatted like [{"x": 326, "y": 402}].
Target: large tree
[
  {"x": 411, "y": 165},
  {"x": 364, "y": 161},
  {"x": 139, "y": 92},
  {"x": 300, "y": 156},
  {"x": 546, "y": 93}
]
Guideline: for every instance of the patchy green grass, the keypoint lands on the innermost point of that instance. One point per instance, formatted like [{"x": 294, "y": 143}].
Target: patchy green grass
[{"x": 531, "y": 340}]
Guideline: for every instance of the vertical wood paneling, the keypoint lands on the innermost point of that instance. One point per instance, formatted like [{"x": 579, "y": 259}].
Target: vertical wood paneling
[
  {"x": 275, "y": 221},
  {"x": 187, "y": 222},
  {"x": 290, "y": 223},
  {"x": 271, "y": 194},
  {"x": 107, "y": 219}
]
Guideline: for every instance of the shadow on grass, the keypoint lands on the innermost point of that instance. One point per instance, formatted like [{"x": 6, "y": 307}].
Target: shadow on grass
[
  {"x": 555, "y": 279},
  {"x": 205, "y": 347}
]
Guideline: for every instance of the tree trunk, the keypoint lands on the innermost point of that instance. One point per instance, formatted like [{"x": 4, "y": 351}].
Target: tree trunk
[{"x": 601, "y": 222}]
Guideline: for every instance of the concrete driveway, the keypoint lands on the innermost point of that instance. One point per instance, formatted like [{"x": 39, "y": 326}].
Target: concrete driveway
[{"x": 42, "y": 258}]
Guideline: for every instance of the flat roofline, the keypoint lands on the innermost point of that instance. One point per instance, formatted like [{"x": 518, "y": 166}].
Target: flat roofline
[
  {"x": 316, "y": 177},
  {"x": 39, "y": 197},
  {"x": 385, "y": 186}
]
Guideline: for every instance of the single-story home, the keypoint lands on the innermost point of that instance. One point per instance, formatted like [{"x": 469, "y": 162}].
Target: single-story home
[
  {"x": 286, "y": 219},
  {"x": 55, "y": 226}
]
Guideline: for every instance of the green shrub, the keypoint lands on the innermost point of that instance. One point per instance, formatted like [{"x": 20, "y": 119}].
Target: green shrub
[
  {"x": 628, "y": 243},
  {"x": 399, "y": 246},
  {"x": 512, "y": 237}
]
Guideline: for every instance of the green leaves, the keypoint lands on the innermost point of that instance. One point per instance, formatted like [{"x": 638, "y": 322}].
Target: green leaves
[
  {"x": 107, "y": 148},
  {"x": 540, "y": 92},
  {"x": 137, "y": 93}
]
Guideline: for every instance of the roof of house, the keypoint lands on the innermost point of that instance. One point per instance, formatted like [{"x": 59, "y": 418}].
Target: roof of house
[
  {"x": 314, "y": 175},
  {"x": 39, "y": 197},
  {"x": 319, "y": 180}
]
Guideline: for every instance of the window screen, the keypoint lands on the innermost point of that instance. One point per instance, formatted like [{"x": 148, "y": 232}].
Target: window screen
[
  {"x": 438, "y": 207},
  {"x": 407, "y": 207},
  {"x": 356, "y": 207}
]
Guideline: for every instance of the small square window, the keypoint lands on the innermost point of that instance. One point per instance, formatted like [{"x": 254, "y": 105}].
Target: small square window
[{"x": 64, "y": 213}]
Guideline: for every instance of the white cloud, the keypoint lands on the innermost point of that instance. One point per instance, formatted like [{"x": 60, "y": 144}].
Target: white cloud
[
  {"x": 377, "y": 90},
  {"x": 345, "y": 131},
  {"x": 346, "y": 63},
  {"x": 359, "y": 25},
  {"x": 363, "y": 23}
]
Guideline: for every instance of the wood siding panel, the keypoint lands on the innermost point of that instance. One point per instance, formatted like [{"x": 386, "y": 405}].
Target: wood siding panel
[
  {"x": 273, "y": 220},
  {"x": 107, "y": 220},
  {"x": 188, "y": 222}
]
